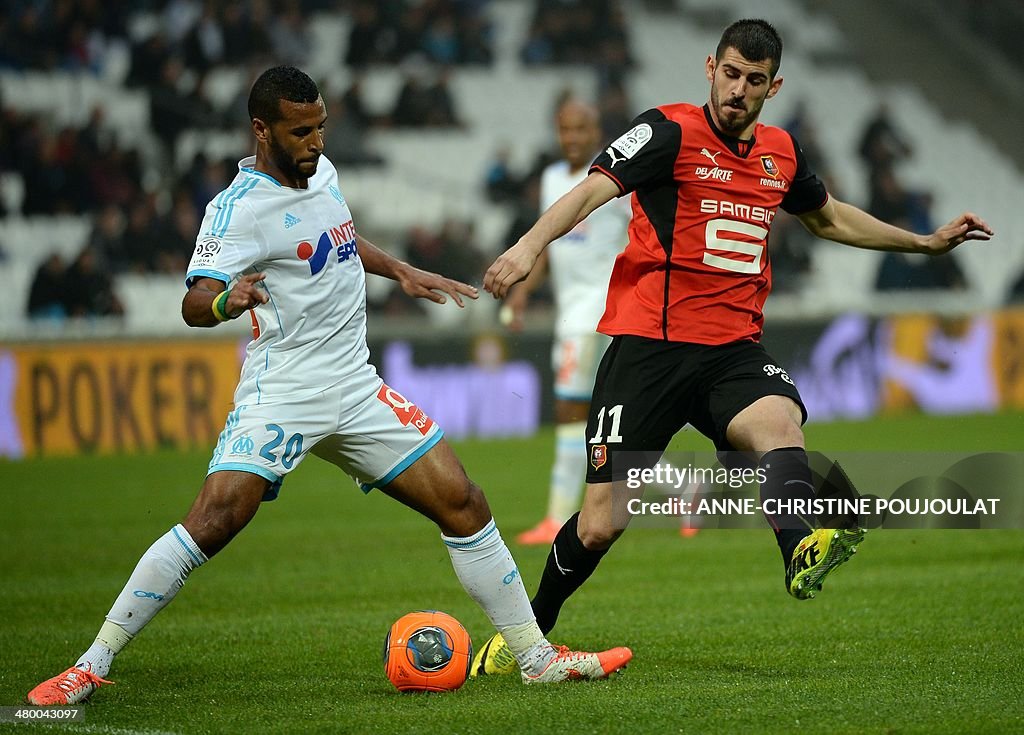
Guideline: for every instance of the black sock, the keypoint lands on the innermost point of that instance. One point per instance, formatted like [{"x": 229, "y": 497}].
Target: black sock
[
  {"x": 787, "y": 477},
  {"x": 569, "y": 565}
]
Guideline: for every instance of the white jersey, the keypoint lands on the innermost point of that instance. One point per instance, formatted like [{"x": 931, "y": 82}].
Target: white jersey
[
  {"x": 311, "y": 333},
  {"x": 581, "y": 260}
]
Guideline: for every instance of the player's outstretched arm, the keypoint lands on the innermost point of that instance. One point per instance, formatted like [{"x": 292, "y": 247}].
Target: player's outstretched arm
[
  {"x": 513, "y": 313},
  {"x": 198, "y": 308},
  {"x": 414, "y": 282},
  {"x": 516, "y": 263},
  {"x": 849, "y": 225}
]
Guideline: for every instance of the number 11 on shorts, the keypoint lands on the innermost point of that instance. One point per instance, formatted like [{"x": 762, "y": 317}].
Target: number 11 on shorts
[{"x": 615, "y": 416}]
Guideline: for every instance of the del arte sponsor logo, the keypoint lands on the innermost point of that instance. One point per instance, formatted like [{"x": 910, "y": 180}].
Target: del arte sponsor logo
[
  {"x": 707, "y": 172},
  {"x": 718, "y": 174},
  {"x": 340, "y": 239}
]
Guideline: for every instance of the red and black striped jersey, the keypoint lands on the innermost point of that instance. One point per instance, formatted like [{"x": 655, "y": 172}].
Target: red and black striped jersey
[{"x": 696, "y": 268}]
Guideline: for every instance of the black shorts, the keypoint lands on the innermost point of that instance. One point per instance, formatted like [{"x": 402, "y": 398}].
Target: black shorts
[{"x": 647, "y": 390}]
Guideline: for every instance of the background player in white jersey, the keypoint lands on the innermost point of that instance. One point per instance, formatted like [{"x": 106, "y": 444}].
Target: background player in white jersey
[
  {"x": 280, "y": 242},
  {"x": 580, "y": 263}
]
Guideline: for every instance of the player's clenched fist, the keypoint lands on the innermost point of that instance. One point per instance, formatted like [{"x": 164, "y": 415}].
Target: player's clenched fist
[{"x": 510, "y": 268}]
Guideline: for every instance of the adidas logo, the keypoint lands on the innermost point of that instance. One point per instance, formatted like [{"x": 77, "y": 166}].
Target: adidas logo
[{"x": 290, "y": 220}]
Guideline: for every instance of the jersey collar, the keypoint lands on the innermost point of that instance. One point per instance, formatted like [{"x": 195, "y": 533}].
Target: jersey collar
[
  {"x": 737, "y": 147},
  {"x": 247, "y": 165}
]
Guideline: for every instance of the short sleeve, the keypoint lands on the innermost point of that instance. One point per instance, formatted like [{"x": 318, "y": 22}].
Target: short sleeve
[
  {"x": 227, "y": 244},
  {"x": 643, "y": 155},
  {"x": 807, "y": 192}
]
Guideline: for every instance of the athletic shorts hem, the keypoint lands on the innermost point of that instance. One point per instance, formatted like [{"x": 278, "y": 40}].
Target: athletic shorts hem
[
  {"x": 405, "y": 463},
  {"x": 254, "y": 469},
  {"x": 727, "y": 416}
]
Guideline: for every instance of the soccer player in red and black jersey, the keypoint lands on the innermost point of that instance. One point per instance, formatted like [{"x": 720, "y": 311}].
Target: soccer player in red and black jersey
[{"x": 685, "y": 299}]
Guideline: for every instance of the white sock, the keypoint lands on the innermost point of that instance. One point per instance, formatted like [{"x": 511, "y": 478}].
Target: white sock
[
  {"x": 569, "y": 470},
  {"x": 489, "y": 575},
  {"x": 158, "y": 576}
]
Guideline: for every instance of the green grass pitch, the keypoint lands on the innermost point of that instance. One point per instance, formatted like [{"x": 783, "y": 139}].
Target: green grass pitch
[{"x": 282, "y": 633}]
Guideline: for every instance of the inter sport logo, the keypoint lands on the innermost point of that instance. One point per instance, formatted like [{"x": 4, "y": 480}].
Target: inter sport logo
[
  {"x": 317, "y": 259},
  {"x": 340, "y": 239}
]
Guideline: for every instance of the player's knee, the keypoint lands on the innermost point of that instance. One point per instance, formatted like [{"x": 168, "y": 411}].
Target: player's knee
[
  {"x": 597, "y": 533},
  {"x": 788, "y": 433},
  {"x": 466, "y": 509},
  {"x": 213, "y": 522},
  {"x": 212, "y": 529}
]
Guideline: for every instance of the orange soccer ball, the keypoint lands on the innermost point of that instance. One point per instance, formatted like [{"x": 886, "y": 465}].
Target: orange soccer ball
[{"x": 427, "y": 651}]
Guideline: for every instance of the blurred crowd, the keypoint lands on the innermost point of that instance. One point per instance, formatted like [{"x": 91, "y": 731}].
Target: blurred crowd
[
  {"x": 146, "y": 210},
  {"x": 883, "y": 147}
]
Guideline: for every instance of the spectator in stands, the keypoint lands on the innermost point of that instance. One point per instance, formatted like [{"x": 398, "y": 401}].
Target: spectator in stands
[
  {"x": 502, "y": 185},
  {"x": 107, "y": 236},
  {"x": 355, "y": 104},
  {"x": 476, "y": 41},
  {"x": 46, "y": 296},
  {"x": 440, "y": 40},
  {"x": 452, "y": 247},
  {"x": 170, "y": 109},
  {"x": 114, "y": 175},
  {"x": 370, "y": 41},
  {"x": 89, "y": 290},
  {"x": 133, "y": 252},
  {"x": 289, "y": 35},
  {"x": 616, "y": 110},
  {"x": 577, "y": 32},
  {"x": 882, "y": 144},
  {"x": 912, "y": 271},
  {"x": 245, "y": 33},
  {"x": 176, "y": 236},
  {"x": 203, "y": 46},
  {"x": 801, "y": 126},
  {"x": 345, "y": 142},
  {"x": 892, "y": 203},
  {"x": 442, "y": 112},
  {"x": 148, "y": 58},
  {"x": 889, "y": 201},
  {"x": 420, "y": 105},
  {"x": 206, "y": 178},
  {"x": 412, "y": 106},
  {"x": 47, "y": 190}
]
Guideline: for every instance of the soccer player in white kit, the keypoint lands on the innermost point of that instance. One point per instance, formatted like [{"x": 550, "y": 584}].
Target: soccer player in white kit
[
  {"x": 279, "y": 242},
  {"x": 581, "y": 264}
]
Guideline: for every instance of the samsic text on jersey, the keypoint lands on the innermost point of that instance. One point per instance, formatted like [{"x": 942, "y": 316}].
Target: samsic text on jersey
[{"x": 696, "y": 268}]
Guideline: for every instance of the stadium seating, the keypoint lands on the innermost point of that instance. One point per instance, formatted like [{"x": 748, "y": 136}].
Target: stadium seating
[{"x": 435, "y": 174}]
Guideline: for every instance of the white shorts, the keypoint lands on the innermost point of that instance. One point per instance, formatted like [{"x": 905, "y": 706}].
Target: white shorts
[
  {"x": 575, "y": 360},
  {"x": 373, "y": 438}
]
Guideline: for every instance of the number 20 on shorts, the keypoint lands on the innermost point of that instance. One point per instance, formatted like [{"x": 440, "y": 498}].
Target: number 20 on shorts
[{"x": 292, "y": 448}]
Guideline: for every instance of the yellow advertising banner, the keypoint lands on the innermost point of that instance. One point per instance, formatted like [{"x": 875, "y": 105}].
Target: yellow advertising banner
[
  {"x": 72, "y": 398},
  {"x": 940, "y": 365}
]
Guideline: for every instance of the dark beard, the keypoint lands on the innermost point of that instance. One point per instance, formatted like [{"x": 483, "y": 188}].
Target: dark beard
[{"x": 284, "y": 163}]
